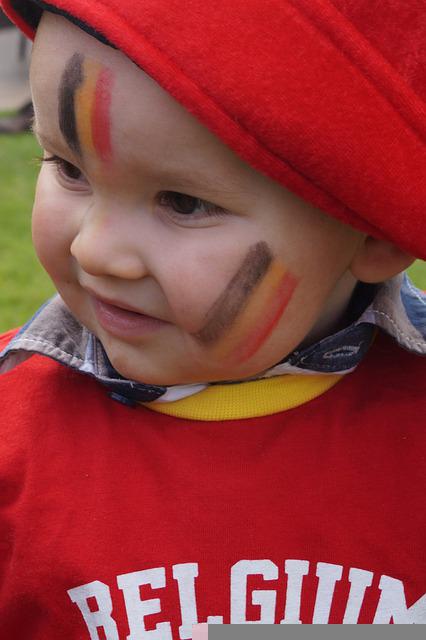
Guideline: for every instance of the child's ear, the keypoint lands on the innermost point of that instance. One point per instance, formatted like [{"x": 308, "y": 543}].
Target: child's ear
[{"x": 377, "y": 260}]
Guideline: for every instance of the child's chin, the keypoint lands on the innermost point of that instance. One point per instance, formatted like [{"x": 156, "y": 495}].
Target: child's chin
[{"x": 145, "y": 376}]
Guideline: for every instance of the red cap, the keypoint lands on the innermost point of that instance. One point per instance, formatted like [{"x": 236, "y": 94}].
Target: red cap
[{"x": 327, "y": 97}]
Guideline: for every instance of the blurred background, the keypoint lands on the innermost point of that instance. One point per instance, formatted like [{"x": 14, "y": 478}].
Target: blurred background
[{"x": 23, "y": 284}]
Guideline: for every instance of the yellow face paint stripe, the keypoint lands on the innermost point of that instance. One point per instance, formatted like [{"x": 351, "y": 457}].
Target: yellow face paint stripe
[
  {"x": 266, "y": 321},
  {"x": 84, "y": 105}
]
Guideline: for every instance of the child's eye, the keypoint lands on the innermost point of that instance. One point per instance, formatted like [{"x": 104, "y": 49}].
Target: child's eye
[
  {"x": 179, "y": 203},
  {"x": 67, "y": 171},
  {"x": 189, "y": 206}
]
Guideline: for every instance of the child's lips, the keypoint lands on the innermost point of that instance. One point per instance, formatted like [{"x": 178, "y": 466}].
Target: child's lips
[{"x": 124, "y": 322}]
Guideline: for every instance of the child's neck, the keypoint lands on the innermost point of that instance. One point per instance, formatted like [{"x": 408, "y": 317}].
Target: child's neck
[{"x": 334, "y": 313}]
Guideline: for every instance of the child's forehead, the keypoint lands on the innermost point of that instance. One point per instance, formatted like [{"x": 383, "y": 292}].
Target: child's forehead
[
  {"x": 64, "y": 54},
  {"x": 147, "y": 126},
  {"x": 312, "y": 106}
]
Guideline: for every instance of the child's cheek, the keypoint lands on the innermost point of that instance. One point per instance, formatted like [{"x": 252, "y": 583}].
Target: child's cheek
[
  {"x": 53, "y": 226},
  {"x": 245, "y": 315}
]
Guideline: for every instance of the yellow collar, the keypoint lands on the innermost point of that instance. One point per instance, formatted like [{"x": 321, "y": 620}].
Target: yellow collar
[{"x": 248, "y": 399}]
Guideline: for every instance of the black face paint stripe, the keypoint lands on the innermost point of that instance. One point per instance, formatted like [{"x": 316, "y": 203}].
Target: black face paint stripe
[
  {"x": 234, "y": 298},
  {"x": 71, "y": 80}
]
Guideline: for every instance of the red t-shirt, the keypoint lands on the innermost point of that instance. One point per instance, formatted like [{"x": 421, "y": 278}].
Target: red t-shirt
[{"x": 118, "y": 522}]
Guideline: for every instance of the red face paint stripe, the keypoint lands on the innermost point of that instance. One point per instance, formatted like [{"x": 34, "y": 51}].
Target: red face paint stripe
[
  {"x": 101, "y": 125},
  {"x": 282, "y": 296}
]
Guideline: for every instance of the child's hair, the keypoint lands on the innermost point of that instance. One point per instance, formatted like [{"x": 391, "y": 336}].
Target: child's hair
[{"x": 324, "y": 96}]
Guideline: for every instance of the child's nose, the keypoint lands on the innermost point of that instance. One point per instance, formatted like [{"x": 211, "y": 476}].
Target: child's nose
[{"x": 105, "y": 245}]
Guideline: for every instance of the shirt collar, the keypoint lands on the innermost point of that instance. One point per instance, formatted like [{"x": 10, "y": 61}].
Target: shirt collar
[{"x": 398, "y": 308}]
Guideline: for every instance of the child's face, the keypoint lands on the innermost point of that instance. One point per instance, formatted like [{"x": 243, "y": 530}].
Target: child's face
[{"x": 148, "y": 210}]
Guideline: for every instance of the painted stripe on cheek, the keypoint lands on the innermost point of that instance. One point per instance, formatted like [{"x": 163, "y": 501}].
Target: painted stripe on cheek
[
  {"x": 260, "y": 316},
  {"x": 258, "y": 336},
  {"x": 236, "y": 295}
]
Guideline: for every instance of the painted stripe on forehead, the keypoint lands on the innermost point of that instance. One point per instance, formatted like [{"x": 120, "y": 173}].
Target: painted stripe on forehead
[
  {"x": 93, "y": 105},
  {"x": 235, "y": 297},
  {"x": 101, "y": 123},
  {"x": 72, "y": 79},
  {"x": 84, "y": 107}
]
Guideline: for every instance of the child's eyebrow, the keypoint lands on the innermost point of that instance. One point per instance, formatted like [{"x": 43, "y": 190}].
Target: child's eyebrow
[
  {"x": 200, "y": 182},
  {"x": 71, "y": 80},
  {"x": 196, "y": 184}
]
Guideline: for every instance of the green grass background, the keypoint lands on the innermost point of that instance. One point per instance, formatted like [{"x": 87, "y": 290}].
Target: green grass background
[{"x": 23, "y": 283}]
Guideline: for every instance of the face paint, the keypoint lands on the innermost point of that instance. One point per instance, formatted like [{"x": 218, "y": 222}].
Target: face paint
[
  {"x": 84, "y": 107},
  {"x": 262, "y": 314},
  {"x": 227, "y": 307},
  {"x": 244, "y": 316},
  {"x": 71, "y": 80}
]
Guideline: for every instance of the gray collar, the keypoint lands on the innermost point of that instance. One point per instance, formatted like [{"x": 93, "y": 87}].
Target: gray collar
[{"x": 398, "y": 308}]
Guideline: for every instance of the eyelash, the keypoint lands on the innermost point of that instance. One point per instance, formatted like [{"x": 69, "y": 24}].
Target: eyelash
[{"x": 165, "y": 198}]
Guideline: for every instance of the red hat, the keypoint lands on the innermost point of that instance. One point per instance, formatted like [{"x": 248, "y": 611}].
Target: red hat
[{"x": 327, "y": 97}]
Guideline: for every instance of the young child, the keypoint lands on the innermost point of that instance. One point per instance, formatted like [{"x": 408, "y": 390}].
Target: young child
[{"x": 228, "y": 425}]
